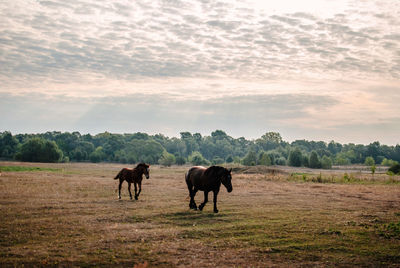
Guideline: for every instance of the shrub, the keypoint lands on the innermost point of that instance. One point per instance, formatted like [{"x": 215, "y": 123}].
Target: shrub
[
  {"x": 250, "y": 159},
  {"x": 217, "y": 160},
  {"x": 167, "y": 159},
  {"x": 280, "y": 161},
  {"x": 196, "y": 158},
  {"x": 314, "y": 160},
  {"x": 264, "y": 159},
  {"x": 326, "y": 162},
  {"x": 395, "y": 169},
  {"x": 98, "y": 155},
  {"x": 180, "y": 160},
  {"x": 295, "y": 158},
  {"x": 229, "y": 159},
  {"x": 388, "y": 162},
  {"x": 369, "y": 161}
]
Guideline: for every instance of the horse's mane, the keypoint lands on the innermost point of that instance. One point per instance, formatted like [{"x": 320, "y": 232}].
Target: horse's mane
[
  {"x": 142, "y": 164},
  {"x": 213, "y": 170}
]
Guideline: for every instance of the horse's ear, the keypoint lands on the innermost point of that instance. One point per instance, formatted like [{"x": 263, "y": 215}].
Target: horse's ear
[{"x": 230, "y": 170}]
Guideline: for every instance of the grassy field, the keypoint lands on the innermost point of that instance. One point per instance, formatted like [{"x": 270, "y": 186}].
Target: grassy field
[{"x": 69, "y": 215}]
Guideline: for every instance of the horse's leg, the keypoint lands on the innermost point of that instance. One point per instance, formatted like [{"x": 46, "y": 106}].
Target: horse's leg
[
  {"x": 119, "y": 188},
  {"x": 205, "y": 200},
  {"x": 136, "y": 195},
  {"x": 190, "y": 186},
  {"x": 215, "y": 201},
  {"x": 192, "y": 195},
  {"x": 129, "y": 189},
  {"x": 140, "y": 189}
]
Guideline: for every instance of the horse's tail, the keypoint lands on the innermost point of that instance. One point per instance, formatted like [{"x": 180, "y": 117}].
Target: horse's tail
[{"x": 118, "y": 175}]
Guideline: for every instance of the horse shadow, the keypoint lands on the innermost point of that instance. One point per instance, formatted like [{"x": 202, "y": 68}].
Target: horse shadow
[{"x": 190, "y": 218}]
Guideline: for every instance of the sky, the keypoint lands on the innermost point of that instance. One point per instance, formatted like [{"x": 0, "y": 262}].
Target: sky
[{"x": 316, "y": 69}]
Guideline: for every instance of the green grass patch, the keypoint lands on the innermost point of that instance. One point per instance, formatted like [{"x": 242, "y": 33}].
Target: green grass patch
[
  {"x": 23, "y": 169},
  {"x": 337, "y": 179}
]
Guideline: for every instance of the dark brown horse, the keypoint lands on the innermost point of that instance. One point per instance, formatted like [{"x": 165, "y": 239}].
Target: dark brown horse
[
  {"x": 133, "y": 176},
  {"x": 207, "y": 180}
]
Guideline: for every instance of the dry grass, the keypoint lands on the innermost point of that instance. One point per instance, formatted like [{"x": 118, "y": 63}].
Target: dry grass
[{"x": 71, "y": 216}]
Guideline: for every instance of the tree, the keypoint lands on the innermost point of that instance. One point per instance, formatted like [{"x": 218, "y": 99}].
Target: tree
[
  {"x": 314, "y": 160},
  {"x": 295, "y": 157},
  {"x": 217, "y": 160},
  {"x": 167, "y": 159},
  {"x": 40, "y": 150},
  {"x": 373, "y": 169},
  {"x": 395, "y": 169},
  {"x": 196, "y": 158},
  {"x": 264, "y": 159},
  {"x": 180, "y": 160},
  {"x": 326, "y": 162},
  {"x": 98, "y": 155},
  {"x": 273, "y": 137},
  {"x": 250, "y": 159},
  {"x": 8, "y": 145},
  {"x": 281, "y": 161},
  {"x": 369, "y": 161},
  {"x": 388, "y": 162}
]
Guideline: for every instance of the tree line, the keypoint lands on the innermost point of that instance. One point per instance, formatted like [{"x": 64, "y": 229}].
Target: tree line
[{"x": 218, "y": 148}]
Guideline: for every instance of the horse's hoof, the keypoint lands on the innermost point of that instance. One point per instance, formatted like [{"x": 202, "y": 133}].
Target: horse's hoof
[
  {"x": 215, "y": 210},
  {"x": 201, "y": 207},
  {"x": 136, "y": 198},
  {"x": 119, "y": 197}
]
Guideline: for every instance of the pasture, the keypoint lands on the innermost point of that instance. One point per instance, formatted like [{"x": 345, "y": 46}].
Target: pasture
[{"x": 70, "y": 215}]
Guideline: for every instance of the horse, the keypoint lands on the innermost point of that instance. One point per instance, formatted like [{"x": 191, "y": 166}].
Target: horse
[
  {"x": 207, "y": 180},
  {"x": 135, "y": 176}
]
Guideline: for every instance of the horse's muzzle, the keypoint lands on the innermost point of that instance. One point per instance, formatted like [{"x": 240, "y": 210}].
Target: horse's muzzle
[
  {"x": 230, "y": 190},
  {"x": 147, "y": 177}
]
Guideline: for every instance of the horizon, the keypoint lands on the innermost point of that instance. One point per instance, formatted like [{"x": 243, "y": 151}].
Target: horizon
[
  {"x": 321, "y": 70},
  {"x": 202, "y": 134}
]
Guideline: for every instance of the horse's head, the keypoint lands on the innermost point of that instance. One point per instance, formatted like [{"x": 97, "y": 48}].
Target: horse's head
[
  {"x": 226, "y": 179},
  {"x": 144, "y": 168},
  {"x": 221, "y": 173}
]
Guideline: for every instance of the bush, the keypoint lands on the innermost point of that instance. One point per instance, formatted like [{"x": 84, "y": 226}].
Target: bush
[
  {"x": 98, "y": 155},
  {"x": 229, "y": 159},
  {"x": 250, "y": 159},
  {"x": 388, "y": 162},
  {"x": 280, "y": 161},
  {"x": 217, "y": 160},
  {"x": 167, "y": 159},
  {"x": 196, "y": 158},
  {"x": 295, "y": 158},
  {"x": 180, "y": 160},
  {"x": 39, "y": 150},
  {"x": 395, "y": 169},
  {"x": 314, "y": 160},
  {"x": 341, "y": 161},
  {"x": 326, "y": 162},
  {"x": 369, "y": 161},
  {"x": 264, "y": 159}
]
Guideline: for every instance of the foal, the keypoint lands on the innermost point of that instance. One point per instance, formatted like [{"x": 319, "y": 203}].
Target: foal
[{"x": 133, "y": 176}]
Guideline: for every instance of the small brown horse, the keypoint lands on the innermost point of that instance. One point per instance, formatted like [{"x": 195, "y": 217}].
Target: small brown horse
[
  {"x": 133, "y": 176},
  {"x": 207, "y": 180}
]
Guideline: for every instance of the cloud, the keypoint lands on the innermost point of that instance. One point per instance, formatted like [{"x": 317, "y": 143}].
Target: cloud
[
  {"x": 289, "y": 57},
  {"x": 171, "y": 39}
]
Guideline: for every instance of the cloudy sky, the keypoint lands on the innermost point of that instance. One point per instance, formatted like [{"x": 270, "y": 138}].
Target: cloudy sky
[{"x": 315, "y": 69}]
